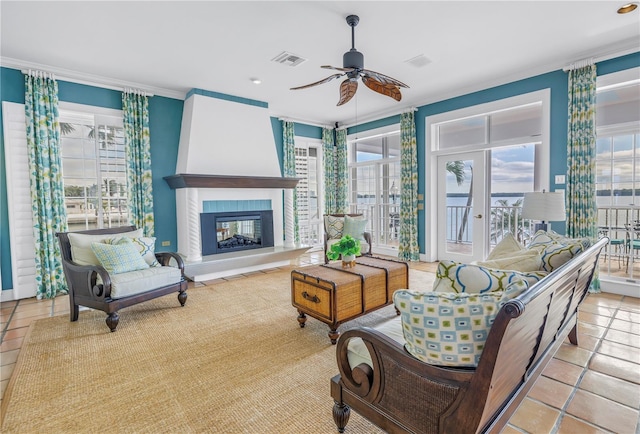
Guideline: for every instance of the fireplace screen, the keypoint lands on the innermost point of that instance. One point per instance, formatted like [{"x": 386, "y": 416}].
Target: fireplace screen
[{"x": 233, "y": 231}]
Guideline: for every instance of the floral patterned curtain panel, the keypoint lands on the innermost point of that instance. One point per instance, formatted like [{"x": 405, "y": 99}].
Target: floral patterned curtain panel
[
  {"x": 137, "y": 139},
  {"x": 408, "y": 249},
  {"x": 328, "y": 157},
  {"x": 581, "y": 149},
  {"x": 289, "y": 162},
  {"x": 342, "y": 172},
  {"x": 45, "y": 176}
]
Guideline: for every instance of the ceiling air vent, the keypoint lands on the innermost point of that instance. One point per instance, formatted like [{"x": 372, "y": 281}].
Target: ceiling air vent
[
  {"x": 288, "y": 59},
  {"x": 419, "y": 61}
]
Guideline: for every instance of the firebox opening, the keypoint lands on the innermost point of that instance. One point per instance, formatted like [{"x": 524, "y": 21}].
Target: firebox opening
[{"x": 233, "y": 231}]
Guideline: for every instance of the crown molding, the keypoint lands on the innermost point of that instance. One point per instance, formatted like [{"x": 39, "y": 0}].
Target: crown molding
[{"x": 91, "y": 79}]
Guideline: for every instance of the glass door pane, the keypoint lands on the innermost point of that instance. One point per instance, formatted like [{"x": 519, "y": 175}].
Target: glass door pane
[{"x": 461, "y": 210}]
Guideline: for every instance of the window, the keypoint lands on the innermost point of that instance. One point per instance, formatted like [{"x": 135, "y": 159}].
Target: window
[
  {"x": 374, "y": 168},
  {"x": 308, "y": 169},
  {"x": 93, "y": 168},
  {"x": 618, "y": 171},
  {"x": 508, "y": 141}
]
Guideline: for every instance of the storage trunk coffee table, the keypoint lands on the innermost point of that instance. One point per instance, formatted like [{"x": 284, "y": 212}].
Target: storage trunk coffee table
[{"x": 333, "y": 294}]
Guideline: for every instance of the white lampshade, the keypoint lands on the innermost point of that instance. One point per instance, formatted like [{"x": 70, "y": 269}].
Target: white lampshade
[{"x": 544, "y": 206}]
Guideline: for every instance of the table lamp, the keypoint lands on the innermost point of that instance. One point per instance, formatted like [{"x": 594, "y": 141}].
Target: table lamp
[{"x": 544, "y": 206}]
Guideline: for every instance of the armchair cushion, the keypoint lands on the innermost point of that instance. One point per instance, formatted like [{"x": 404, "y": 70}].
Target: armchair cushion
[
  {"x": 455, "y": 277},
  {"x": 354, "y": 226},
  {"x": 450, "y": 329},
  {"x": 81, "y": 245},
  {"x": 139, "y": 281},
  {"x": 119, "y": 258}
]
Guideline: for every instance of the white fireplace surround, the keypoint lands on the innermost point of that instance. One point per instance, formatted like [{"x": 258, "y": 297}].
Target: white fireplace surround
[
  {"x": 227, "y": 151},
  {"x": 190, "y": 200}
]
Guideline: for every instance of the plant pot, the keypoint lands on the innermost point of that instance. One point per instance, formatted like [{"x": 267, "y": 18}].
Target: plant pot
[{"x": 348, "y": 261}]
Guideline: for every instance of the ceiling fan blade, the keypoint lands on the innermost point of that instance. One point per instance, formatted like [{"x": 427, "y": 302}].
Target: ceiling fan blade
[
  {"x": 335, "y": 67},
  {"x": 390, "y": 90},
  {"x": 347, "y": 90},
  {"x": 385, "y": 79},
  {"x": 331, "y": 77}
]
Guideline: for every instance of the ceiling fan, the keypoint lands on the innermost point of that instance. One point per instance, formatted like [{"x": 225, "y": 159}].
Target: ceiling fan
[{"x": 353, "y": 68}]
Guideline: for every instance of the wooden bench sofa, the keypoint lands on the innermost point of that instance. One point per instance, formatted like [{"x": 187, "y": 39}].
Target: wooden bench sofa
[
  {"x": 92, "y": 286},
  {"x": 402, "y": 394}
]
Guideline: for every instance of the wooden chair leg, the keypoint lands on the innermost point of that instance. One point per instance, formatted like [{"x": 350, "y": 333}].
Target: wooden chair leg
[{"x": 112, "y": 321}]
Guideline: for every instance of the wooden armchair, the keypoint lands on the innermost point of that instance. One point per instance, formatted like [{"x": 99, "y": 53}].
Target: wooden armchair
[
  {"x": 92, "y": 286},
  {"x": 365, "y": 247}
]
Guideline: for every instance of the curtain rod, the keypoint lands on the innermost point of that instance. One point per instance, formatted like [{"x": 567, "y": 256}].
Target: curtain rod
[
  {"x": 375, "y": 117},
  {"x": 299, "y": 121},
  {"x": 579, "y": 64},
  {"x": 88, "y": 83}
]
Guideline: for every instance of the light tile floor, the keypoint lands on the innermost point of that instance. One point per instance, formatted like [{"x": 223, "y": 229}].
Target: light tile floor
[{"x": 592, "y": 388}]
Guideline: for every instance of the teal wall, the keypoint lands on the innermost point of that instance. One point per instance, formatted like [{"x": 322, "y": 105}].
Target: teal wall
[{"x": 165, "y": 117}]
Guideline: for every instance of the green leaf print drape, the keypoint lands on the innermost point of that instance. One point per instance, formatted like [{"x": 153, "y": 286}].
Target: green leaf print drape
[
  {"x": 289, "y": 163},
  {"x": 45, "y": 177},
  {"x": 328, "y": 159},
  {"x": 342, "y": 172},
  {"x": 581, "y": 149},
  {"x": 408, "y": 249},
  {"x": 137, "y": 139}
]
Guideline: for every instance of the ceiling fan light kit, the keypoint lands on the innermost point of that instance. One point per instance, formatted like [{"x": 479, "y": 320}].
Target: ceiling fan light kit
[{"x": 353, "y": 68}]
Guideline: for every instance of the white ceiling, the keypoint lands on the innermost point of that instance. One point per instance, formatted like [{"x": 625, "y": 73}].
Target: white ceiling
[{"x": 169, "y": 48}]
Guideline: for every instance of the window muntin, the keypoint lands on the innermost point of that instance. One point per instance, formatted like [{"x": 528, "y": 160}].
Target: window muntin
[
  {"x": 374, "y": 174},
  {"x": 93, "y": 169}
]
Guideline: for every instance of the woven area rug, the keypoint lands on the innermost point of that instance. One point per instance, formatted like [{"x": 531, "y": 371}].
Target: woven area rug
[{"x": 233, "y": 360}]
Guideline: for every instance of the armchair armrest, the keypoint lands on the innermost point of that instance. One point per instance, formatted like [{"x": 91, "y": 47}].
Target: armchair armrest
[
  {"x": 367, "y": 238},
  {"x": 164, "y": 258},
  {"x": 396, "y": 385},
  {"x": 83, "y": 280}
]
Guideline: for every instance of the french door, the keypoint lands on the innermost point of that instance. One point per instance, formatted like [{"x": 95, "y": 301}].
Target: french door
[{"x": 462, "y": 207}]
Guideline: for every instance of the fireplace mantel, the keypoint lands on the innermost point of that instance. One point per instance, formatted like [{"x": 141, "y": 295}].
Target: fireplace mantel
[{"x": 183, "y": 180}]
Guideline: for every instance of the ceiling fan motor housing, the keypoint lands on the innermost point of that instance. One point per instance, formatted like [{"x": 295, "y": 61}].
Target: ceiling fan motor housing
[{"x": 353, "y": 59}]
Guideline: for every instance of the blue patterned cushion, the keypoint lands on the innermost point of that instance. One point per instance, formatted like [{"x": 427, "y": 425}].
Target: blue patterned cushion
[
  {"x": 354, "y": 226},
  {"x": 146, "y": 247},
  {"x": 119, "y": 258},
  {"x": 556, "y": 249},
  {"x": 455, "y": 277},
  {"x": 450, "y": 329},
  {"x": 333, "y": 226}
]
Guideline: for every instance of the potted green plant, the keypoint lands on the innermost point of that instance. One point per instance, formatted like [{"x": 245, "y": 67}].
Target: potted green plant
[{"x": 347, "y": 248}]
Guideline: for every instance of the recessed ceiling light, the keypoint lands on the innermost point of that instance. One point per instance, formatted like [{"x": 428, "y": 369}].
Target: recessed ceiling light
[
  {"x": 629, "y": 7},
  {"x": 255, "y": 80}
]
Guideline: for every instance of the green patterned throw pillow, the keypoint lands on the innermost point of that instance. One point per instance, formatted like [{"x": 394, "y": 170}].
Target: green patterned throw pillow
[
  {"x": 334, "y": 226},
  {"x": 119, "y": 258},
  {"x": 455, "y": 277},
  {"x": 146, "y": 247},
  {"x": 450, "y": 329},
  {"x": 556, "y": 249}
]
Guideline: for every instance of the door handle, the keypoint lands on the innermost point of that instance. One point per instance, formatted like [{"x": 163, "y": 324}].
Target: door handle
[{"x": 479, "y": 216}]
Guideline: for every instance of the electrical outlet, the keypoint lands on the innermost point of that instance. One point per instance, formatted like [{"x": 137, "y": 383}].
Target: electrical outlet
[
  {"x": 166, "y": 243},
  {"x": 560, "y": 179}
]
